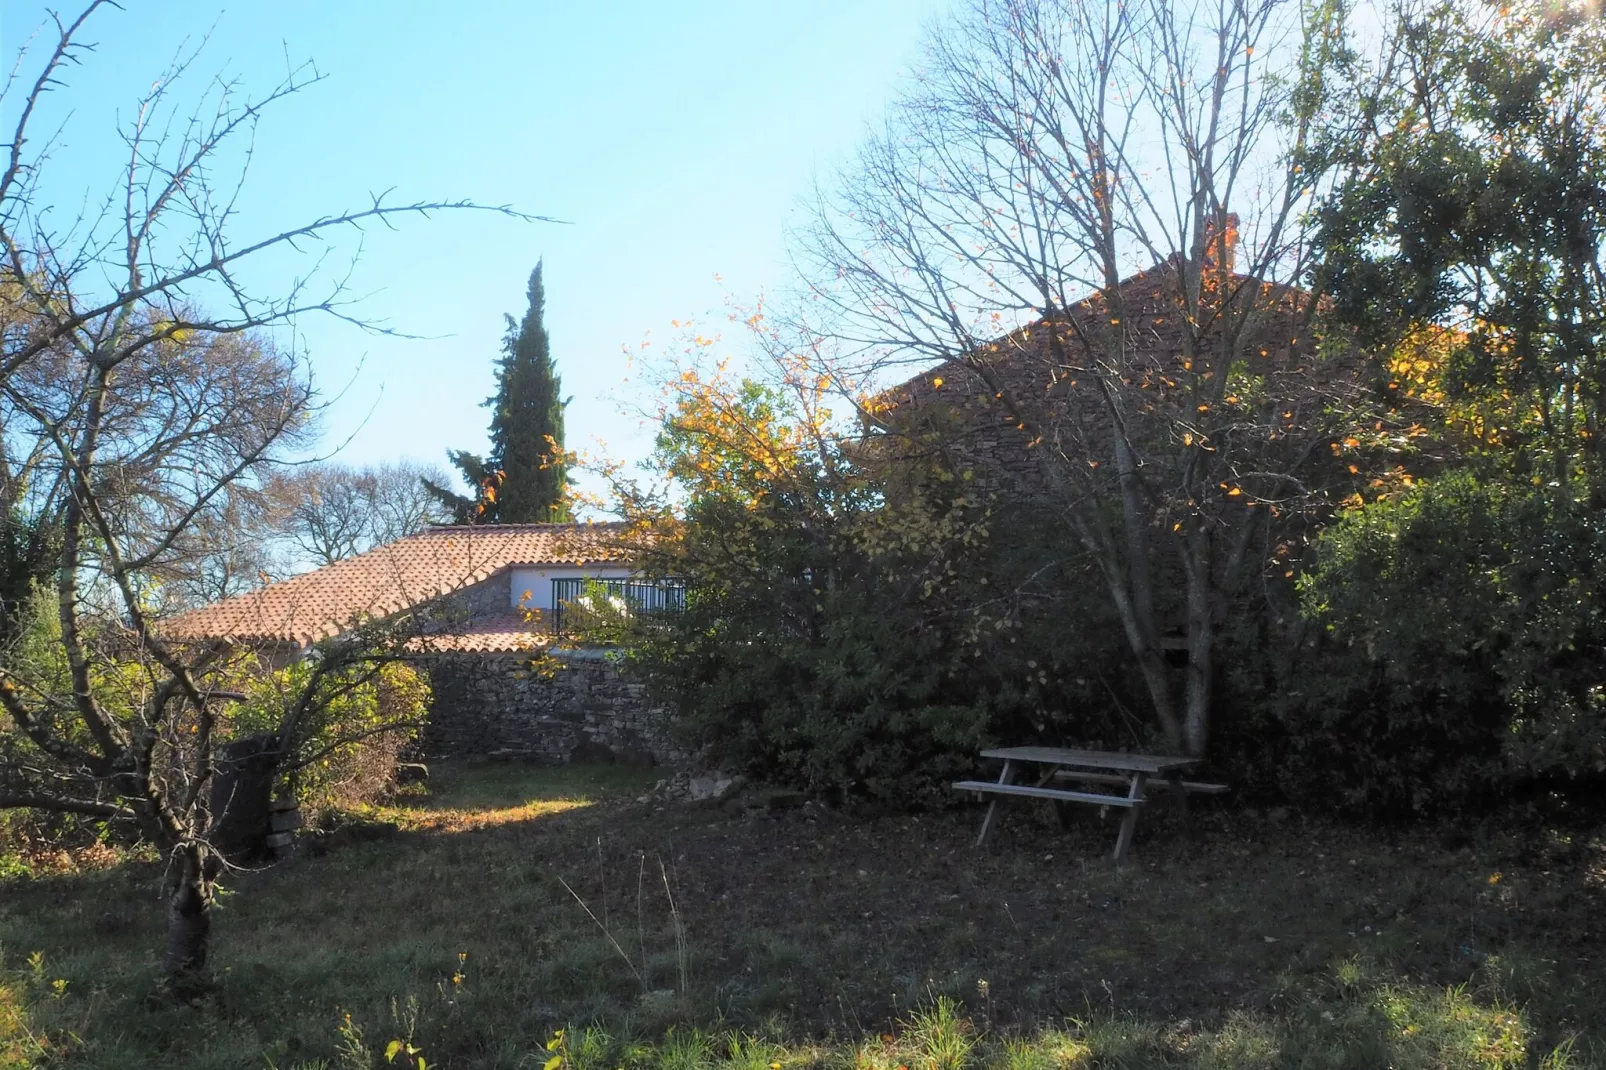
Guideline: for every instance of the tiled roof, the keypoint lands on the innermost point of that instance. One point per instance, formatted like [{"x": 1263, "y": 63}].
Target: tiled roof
[
  {"x": 388, "y": 579},
  {"x": 487, "y": 635}
]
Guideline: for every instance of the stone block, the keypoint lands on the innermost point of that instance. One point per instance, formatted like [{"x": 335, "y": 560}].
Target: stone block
[{"x": 590, "y": 752}]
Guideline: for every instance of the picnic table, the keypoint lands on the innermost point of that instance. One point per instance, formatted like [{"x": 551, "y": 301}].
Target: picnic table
[{"x": 1086, "y": 767}]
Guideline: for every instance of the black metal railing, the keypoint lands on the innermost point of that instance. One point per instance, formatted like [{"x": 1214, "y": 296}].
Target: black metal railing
[{"x": 612, "y": 601}]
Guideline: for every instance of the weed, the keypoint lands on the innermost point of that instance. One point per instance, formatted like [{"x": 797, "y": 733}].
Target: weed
[
  {"x": 744, "y": 1051},
  {"x": 608, "y": 935},
  {"x": 589, "y": 1048},
  {"x": 404, "y": 1015},
  {"x": 20, "y": 1047},
  {"x": 642, "y": 972},
  {"x": 942, "y": 1039},
  {"x": 678, "y": 925},
  {"x": 1560, "y": 1057},
  {"x": 351, "y": 1052},
  {"x": 1349, "y": 977},
  {"x": 685, "y": 1049}
]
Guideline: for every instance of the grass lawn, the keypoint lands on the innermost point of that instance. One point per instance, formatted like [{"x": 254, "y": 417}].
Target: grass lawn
[{"x": 511, "y": 902}]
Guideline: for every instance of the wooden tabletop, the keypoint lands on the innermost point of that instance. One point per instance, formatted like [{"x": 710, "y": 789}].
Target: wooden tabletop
[{"x": 1092, "y": 759}]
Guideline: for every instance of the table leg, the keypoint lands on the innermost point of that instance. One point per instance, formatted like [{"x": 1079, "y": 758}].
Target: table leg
[
  {"x": 1004, "y": 777},
  {"x": 1179, "y": 794},
  {"x": 1130, "y": 823},
  {"x": 1062, "y": 810}
]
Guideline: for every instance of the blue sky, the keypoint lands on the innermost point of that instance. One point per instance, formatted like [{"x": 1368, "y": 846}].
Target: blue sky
[{"x": 677, "y": 139}]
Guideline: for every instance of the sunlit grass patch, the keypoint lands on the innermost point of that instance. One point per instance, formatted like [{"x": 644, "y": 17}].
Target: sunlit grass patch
[
  {"x": 1450, "y": 1022},
  {"x": 460, "y": 819},
  {"x": 1050, "y": 1050},
  {"x": 745, "y": 1051},
  {"x": 941, "y": 1036},
  {"x": 936, "y": 1035},
  {"x": 468, "y": 798},
  {"x": 1401, "y": 1027},
  {"x": 502, "y": 785}
]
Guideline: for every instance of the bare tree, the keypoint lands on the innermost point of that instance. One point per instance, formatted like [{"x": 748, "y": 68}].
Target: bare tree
[
  {"x": 1093, "y": 216},
  {"x": 233, "y": 547},
  {"x": 332, "y": 511},
  {"x": 143, "y": 396}
]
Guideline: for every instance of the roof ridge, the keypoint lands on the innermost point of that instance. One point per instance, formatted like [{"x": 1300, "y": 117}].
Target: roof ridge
[
  {"x": 521, "y": 526},
  {"x": 1086, "y": 305}
]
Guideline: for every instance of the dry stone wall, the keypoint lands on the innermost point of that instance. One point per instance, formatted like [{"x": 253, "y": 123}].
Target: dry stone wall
[{"x": 496, "y": 705}]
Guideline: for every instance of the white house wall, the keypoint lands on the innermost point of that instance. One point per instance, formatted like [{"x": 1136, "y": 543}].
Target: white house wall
[{"x": 537, "y": 582}]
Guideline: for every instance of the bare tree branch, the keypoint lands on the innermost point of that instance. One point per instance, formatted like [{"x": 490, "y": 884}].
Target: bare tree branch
[{"x": 144, "y": 410}]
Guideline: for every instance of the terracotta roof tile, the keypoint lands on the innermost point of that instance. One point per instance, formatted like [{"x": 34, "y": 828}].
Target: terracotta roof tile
[
  {"x": 388, "y": 579},
  {"x": 487, "y": 635}
]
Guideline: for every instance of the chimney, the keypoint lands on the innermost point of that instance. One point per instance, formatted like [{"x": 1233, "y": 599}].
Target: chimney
[{"x": 1216, "y": 226}]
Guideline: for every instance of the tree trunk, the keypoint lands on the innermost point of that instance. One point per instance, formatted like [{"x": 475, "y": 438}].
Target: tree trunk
[
  {"x": 1201, "y": 677},
  {"x": 1201, "y": 645},
  {"x": 1157, "y": 677},
  {"x": 1142, "y": 633},
  {"x": 1145, "y": 644},
  {"x": 189, "y": 914}
]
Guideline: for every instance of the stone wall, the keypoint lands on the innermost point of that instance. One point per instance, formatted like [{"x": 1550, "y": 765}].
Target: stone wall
[
  {"x": 492, "y": 597},
  {"x": 495, "y": 705}
]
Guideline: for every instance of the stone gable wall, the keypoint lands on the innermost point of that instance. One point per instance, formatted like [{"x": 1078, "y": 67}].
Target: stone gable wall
[
  {"x": 495, "y": 705},
  {"x": 488, "y": 598}
]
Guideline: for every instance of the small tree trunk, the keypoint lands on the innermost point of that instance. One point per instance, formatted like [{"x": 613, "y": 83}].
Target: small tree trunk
[
  {"x": 1201, "y": 680},
  {"x": 1157, "y": 677},
  {"x": 1138, "y": 623},
  {"x": 1142, "y": 633},
  {"x": 189, "y": 914},
  {"x": 1201, "y": 646}
]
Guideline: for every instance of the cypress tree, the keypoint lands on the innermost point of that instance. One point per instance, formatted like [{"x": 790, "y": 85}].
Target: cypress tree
[
  {"x": 523, "y": 480},
  {"x": 527, "y": 421},
  {"x": 479, "y": 505}
]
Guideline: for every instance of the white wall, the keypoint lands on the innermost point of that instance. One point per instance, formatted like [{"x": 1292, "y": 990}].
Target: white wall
[{"x": 537, "y": 581}]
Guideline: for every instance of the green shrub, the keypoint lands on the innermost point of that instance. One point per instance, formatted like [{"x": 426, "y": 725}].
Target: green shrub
[
  {"x": 37, "y": 661},
  {"x": 834, "y": 661},
  {"x": 1458, "y": 654},
  {"x": 855, "y": 627},
  {"x": 361, "y": 717}
]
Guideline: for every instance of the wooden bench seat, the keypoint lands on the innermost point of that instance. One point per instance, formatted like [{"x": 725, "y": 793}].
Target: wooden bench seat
[
  {"x": 1057, "y": 794},
  {"x": 1192, "y": 787}
]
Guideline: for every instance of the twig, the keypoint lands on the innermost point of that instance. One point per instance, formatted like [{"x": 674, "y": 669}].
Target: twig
[
  {"x": 605, "y": 932},
  {"x": 641, "y": 926},
  {"x": 602, "y": 876},
  {"x": 681, "y": 962}
]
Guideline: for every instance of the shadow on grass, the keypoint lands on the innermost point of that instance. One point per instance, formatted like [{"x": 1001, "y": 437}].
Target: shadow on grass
[{"x": 1235, "y": 940}]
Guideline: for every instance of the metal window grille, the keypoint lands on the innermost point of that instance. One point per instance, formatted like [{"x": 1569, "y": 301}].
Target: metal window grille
[{"x": 640, "y": 598}]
